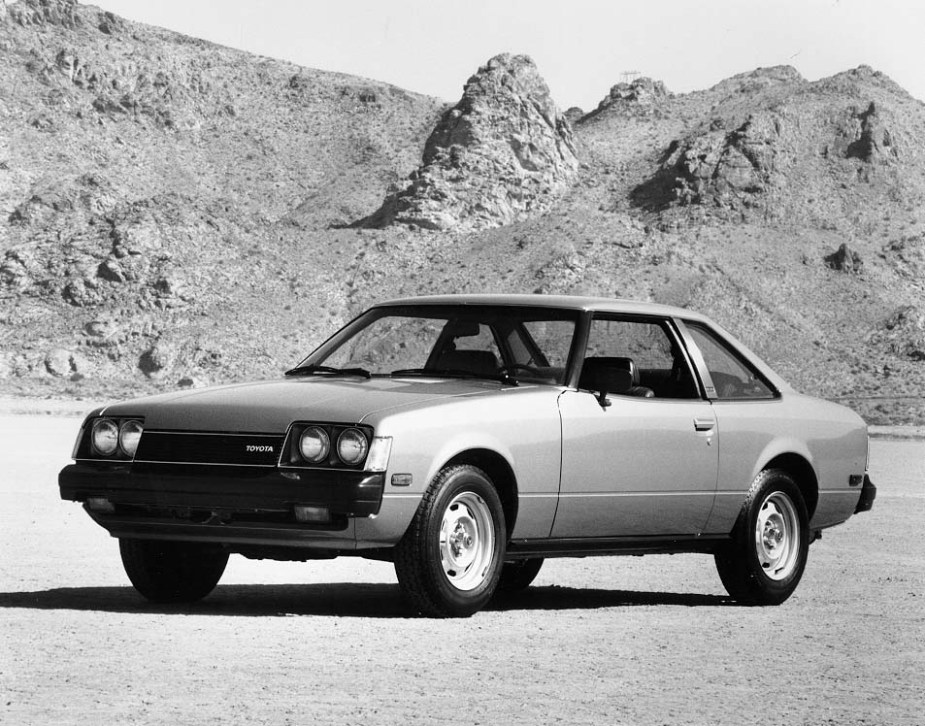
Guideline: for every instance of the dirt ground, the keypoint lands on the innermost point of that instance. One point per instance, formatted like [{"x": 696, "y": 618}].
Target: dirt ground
[{"x": 598, "y": 641}]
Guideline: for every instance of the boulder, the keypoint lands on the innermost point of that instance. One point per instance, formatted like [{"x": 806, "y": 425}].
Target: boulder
[
  {"x": 59, "y": 362},
  {"x": 156, "y": 359},
  {"x": 844, "y": 259}
]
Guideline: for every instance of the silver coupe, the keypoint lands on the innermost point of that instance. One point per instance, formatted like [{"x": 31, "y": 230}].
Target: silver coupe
[{"x": 466, "y": 439}]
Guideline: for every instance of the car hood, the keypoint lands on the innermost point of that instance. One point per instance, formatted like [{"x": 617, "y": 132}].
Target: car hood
[{"x": 270, "y": 406}]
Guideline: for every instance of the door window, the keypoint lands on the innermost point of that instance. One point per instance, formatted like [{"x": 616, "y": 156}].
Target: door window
[{"x": 647, "y": 349}]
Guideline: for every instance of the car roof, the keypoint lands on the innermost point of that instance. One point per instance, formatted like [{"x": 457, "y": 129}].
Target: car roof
[{"x": 565, "y": 302}]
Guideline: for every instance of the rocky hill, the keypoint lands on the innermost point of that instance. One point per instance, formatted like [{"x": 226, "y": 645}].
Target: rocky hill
[{"x": 175, "y": 213}]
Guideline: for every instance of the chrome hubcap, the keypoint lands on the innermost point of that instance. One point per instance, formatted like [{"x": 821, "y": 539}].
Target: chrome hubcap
[
  {"x": 777, "y": 536},
  {"x": 467, "y": 541}
]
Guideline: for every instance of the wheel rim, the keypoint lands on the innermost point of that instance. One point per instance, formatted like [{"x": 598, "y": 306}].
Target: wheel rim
[
  {"x": 777, "y": 536},
  {"x": 467, "y": 541}
]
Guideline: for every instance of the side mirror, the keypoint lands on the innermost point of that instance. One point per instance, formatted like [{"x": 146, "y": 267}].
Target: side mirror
[{"x": 610, "y": 379}]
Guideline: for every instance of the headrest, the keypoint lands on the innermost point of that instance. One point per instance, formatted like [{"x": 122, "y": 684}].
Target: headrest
[{"x": 607, "y": 373}]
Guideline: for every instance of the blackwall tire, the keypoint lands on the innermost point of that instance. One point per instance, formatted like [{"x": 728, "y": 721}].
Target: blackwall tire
[
  {"x": 767, "y": 556},
  {"x": 449, "y": 561},
  {"x": 172, "y": 572},
  {"x": 518, "y": 575}
]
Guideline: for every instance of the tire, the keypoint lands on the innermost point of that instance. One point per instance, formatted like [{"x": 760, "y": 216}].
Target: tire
[
  {"x": 770, "y": 542},
  {"x": 449, "y": 561},
  {"x": 172, "y": 572},
  {"x": 517, "y": 575}
]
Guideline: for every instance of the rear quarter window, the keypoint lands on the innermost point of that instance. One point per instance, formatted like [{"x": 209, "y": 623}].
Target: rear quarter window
[{"x": 733, "y": 377}]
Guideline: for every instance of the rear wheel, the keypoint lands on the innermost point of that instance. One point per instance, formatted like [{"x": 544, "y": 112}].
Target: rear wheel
[
  {"x": 517, "y": 575},
  {"x": 449, "y": 561},
  {"x": 765, "y": 561},
  {"x": 172, "y": 572}
]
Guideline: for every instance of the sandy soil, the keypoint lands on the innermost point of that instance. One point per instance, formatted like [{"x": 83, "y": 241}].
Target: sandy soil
[{"x": 598, "y": 641}]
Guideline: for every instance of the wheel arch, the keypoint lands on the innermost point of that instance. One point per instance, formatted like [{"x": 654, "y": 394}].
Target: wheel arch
[
  {"x": 803, "y": 474},
  {"x": 501, "y": 474}
]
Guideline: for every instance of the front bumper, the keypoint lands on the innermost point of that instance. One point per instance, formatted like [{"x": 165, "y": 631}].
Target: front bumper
[
  {"x": 220, "y": 503},
  {"x": 868, "y": 494}
]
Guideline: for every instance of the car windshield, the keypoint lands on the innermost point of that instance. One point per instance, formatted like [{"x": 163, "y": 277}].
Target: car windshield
[{"x": 453, "y": 341}]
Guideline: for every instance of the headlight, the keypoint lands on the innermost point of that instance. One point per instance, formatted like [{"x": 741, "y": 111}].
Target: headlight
[
  {"x": 314, "y": 444},
  {"x": 105, "y": 437},
  {"x": 352, "y": 446},
  {"x": 129, "y": 436}
]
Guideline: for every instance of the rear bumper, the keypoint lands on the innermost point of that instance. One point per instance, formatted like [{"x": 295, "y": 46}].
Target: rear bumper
[
  {"x": 868, "y": 494},
  {"x": 220, "y": 503}
]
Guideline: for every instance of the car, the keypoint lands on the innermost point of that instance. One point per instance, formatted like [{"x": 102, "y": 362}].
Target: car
[{"x": 467, "y": 438}]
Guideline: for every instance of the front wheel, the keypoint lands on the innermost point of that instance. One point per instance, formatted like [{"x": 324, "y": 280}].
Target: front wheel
[
  {"x": 449, "y": 561},
  {"x": 770, "y": 543},
  {"x": 172, "y": 572}
]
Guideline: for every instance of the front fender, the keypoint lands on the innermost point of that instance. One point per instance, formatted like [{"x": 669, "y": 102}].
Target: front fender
[{"x": 520, "y": 425}]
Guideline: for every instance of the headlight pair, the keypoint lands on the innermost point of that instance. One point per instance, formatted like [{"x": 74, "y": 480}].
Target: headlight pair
[
  {"x": 330, "y": 444},
  {"x": 109, "y": 437},
  {"x": 315, "y": 445}
]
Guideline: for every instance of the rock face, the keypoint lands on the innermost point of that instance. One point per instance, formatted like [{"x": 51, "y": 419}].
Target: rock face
[
  {"x": 725, "y": 167},
  {"x": 503, "y": 153},
  {"x": 865, "y": 136},
  {"x": 43, "y": 12}
]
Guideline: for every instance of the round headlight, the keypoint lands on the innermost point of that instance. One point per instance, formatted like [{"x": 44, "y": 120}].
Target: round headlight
[
  {"x": 129, "y": 436},
  {"x": 352, "y": 446},
  {"x": 105, "y": 437},
  {"x": 314, "y": 444}
]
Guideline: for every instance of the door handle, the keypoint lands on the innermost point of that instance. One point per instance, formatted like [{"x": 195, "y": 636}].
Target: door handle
[{"x": 704, "y": 424}]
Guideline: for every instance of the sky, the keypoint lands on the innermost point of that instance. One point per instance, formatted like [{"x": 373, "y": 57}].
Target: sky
[{"x": 581, "y": 47}]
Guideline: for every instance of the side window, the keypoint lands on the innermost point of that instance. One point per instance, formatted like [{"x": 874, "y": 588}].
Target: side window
[
  {"x": 646, "y": 349},
  {"x": 732, "y": 376}
]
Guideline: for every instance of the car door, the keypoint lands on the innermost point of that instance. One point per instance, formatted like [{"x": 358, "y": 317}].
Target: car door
[{"x": 643, "y": 460}]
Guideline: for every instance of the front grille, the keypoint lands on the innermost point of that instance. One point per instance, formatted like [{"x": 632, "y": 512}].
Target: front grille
[{"x": 184, "y": 447}]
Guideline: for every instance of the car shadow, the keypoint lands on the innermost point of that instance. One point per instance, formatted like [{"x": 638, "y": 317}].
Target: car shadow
[{"x": 343, "y": 599}]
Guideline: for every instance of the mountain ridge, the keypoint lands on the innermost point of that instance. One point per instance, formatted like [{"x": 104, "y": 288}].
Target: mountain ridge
[{"x": 175, "y": 212}]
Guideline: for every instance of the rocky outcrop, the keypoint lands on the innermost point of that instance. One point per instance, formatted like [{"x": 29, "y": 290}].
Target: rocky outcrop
[
  {"x": 639, "y": 97},
  {"x": 501, "y": 154},
  {"x": 43, "y": 12},
  {"x": 864, "y": 135},
  {"x": 724, "y": 168}
]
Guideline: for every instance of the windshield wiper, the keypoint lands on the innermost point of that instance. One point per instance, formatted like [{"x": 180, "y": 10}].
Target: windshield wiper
[
  {"x": 450, "y": 373},
  {"x": 315, "y": 370}
]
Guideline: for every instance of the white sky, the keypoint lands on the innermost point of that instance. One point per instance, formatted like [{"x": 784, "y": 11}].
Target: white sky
[{"x": 580, "y": 46}]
